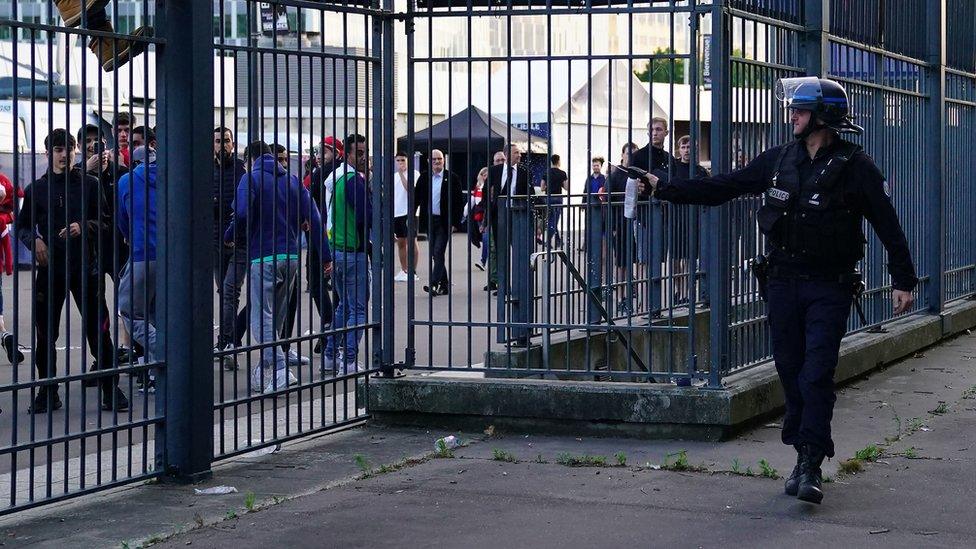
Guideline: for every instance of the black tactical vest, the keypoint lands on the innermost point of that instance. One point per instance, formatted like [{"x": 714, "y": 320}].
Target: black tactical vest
[{"x": 812, "y": 221}]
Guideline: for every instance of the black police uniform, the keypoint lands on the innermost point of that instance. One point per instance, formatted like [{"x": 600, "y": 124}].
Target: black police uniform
[{"x": 812, "y": 219}]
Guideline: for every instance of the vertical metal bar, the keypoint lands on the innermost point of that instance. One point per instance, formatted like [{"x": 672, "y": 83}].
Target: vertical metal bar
[
  {"x": 814, "y": 45},
  {"x": 691, "y": 282},
  {"x": 383, "y": 167},
  {"x": 186, "y": 110},
  {"x": 934, "y": 150},
  {"x": 719, "y": 242}
]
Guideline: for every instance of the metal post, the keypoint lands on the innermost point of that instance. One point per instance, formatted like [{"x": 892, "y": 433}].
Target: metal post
[
  {"x": 520, "y": 275},
  {"x": 185, "y": 449},
  {"x": 594, "y": 239},
  {"x": 655, "y": 256},
  {"x": 814, "y": 45},
  {"x": 389, "y": 116},
  {"x": 718, "y": 218},
  {"x": 383, "y": 119},
  {"x": 934, "y": 151}
]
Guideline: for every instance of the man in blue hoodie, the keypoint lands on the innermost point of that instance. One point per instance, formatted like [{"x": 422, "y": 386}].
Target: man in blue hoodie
[
  {"x": 136, "y": 221},
  {"x": 271, "y": 209}
]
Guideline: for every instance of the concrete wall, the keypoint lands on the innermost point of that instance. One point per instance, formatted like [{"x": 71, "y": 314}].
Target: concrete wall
[{"x": 638, "y": 409}]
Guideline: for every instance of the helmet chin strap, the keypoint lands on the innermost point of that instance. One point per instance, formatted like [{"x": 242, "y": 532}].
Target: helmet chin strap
[{"x": 812, "y": 126}]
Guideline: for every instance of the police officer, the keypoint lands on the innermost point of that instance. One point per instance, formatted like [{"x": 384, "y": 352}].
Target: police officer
[{"x": 818, "y": 189}]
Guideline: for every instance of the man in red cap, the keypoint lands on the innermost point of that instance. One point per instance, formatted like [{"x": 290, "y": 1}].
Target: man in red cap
[{"x": 330, "y": 158}]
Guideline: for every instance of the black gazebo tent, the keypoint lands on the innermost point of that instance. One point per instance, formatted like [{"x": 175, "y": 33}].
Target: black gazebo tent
[{"x": 469, "y": 138}]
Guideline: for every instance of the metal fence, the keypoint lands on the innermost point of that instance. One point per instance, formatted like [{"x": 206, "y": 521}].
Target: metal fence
[
  {"x": 420, "y": 138},
  {"x": 300, "y": 98},
  {"x": 78, "y": 414}
]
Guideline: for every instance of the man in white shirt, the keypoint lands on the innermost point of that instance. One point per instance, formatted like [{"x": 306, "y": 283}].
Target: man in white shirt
[{"x": 404, "y": 181}]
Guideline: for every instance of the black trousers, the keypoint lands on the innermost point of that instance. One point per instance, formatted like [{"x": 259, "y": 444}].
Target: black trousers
[
  {"x": 807, "y": 320},
  {"x": 51, "y": 289},
  {"x": 440, "y": 233}
]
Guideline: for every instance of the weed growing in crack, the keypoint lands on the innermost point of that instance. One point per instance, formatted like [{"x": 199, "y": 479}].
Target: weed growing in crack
[
  {"x": 680, "y": 463},
  {"x": 767, "y": 470},
  {"x": 362, "y": 463},
  {"x": 911, "y": 453},
  {"x": 502, "y": 455},
  {"x": 868, "y": 453},
  {"x": 249, "y": 499},
  {"x": 570, "y": 460},
  {"x": 940, "y": 409},
  {"x": 851, "y": 466},
  {"x": 736, "y": 466},
  {"x": 621, "y": 459}
]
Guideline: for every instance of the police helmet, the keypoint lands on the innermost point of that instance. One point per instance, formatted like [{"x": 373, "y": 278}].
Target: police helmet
[{"x": 825, "y": 98}]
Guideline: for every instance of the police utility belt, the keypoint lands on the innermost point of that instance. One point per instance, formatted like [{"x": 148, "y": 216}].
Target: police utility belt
[{"x": 763, "y": 271}]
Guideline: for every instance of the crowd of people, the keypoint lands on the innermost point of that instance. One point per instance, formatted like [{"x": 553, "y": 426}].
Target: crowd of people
[
  {"x": 83, "y": 220},
  {"x": 92, "y": 217}
]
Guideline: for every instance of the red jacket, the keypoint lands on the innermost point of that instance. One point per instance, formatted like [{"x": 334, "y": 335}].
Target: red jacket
[{"x": 7, "y": 218}]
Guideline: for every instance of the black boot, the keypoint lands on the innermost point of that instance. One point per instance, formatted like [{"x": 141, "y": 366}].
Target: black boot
[
  {"x": 47, "y": 400},
  {"x": 810, "y": 488},
  {"x": 91, "y": 381},
  {"x": 113, "y": 399},
  {"x": 793, "y": 482}
]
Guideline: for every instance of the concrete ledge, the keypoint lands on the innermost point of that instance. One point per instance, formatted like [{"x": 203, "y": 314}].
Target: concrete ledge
[{"x": 638, "y": 409}]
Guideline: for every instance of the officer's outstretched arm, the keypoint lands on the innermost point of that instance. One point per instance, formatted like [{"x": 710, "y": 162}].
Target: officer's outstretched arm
[{"x": 718, "y": 189}]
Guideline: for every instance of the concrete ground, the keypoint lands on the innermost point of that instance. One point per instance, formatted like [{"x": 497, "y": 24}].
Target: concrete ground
[{"x": 382, "y": 487}]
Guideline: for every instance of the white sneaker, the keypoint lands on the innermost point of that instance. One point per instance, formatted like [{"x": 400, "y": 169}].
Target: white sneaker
[
  {"x": 257, "y": 380},
  {"x": 329, "y": 364},
  {"x": 281, "y": 379},
  {"x": 401, "y": 277},
  {"x": 347, "y": 368},
  {"x": 294, "y": 359}
]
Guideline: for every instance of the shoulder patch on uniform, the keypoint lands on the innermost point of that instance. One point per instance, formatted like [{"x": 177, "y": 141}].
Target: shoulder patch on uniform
[{"x": 887, "y": 188}]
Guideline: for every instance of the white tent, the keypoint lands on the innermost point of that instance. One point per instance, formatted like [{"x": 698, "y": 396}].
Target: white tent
[{"x": 591, "y": 108}]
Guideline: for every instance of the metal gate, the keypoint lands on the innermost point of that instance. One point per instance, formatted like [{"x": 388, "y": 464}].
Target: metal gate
[
  {"x": 306, "y": 80},
  {"x": 79, "y": 412},
  {"x": 558, "y": 274}
]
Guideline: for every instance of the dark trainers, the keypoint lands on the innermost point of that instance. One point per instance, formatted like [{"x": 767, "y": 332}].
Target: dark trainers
[
  {"x": 47, "y": 399},
  {"x": 91, "y": 381},
  {"x": 119, "y": 403},
  {"x": 13, "y": 353}
]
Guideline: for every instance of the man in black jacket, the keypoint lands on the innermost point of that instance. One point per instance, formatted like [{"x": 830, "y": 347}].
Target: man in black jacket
[
  {"x": 440, "y": 197},
  {"x": 504, "y": 181},
  {"x": 230, "y": 268},
  {"x": 112, "y": 251},
  {"x": 59, "y": 223}
]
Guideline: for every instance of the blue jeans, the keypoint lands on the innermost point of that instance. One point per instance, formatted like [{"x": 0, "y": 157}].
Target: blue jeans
[
  {"x": 137, "y": 303},
  {"x": 270, "y": 287},
  {"x": 484, "y": 247},
  {"x": 350, "y": 279},
  {"x": 552, "y": 224},
  {"x": 807, "y": 319}
]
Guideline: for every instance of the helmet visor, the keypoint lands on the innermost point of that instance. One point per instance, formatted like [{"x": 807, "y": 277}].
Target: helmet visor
[{"x": 803, "y": 90}]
